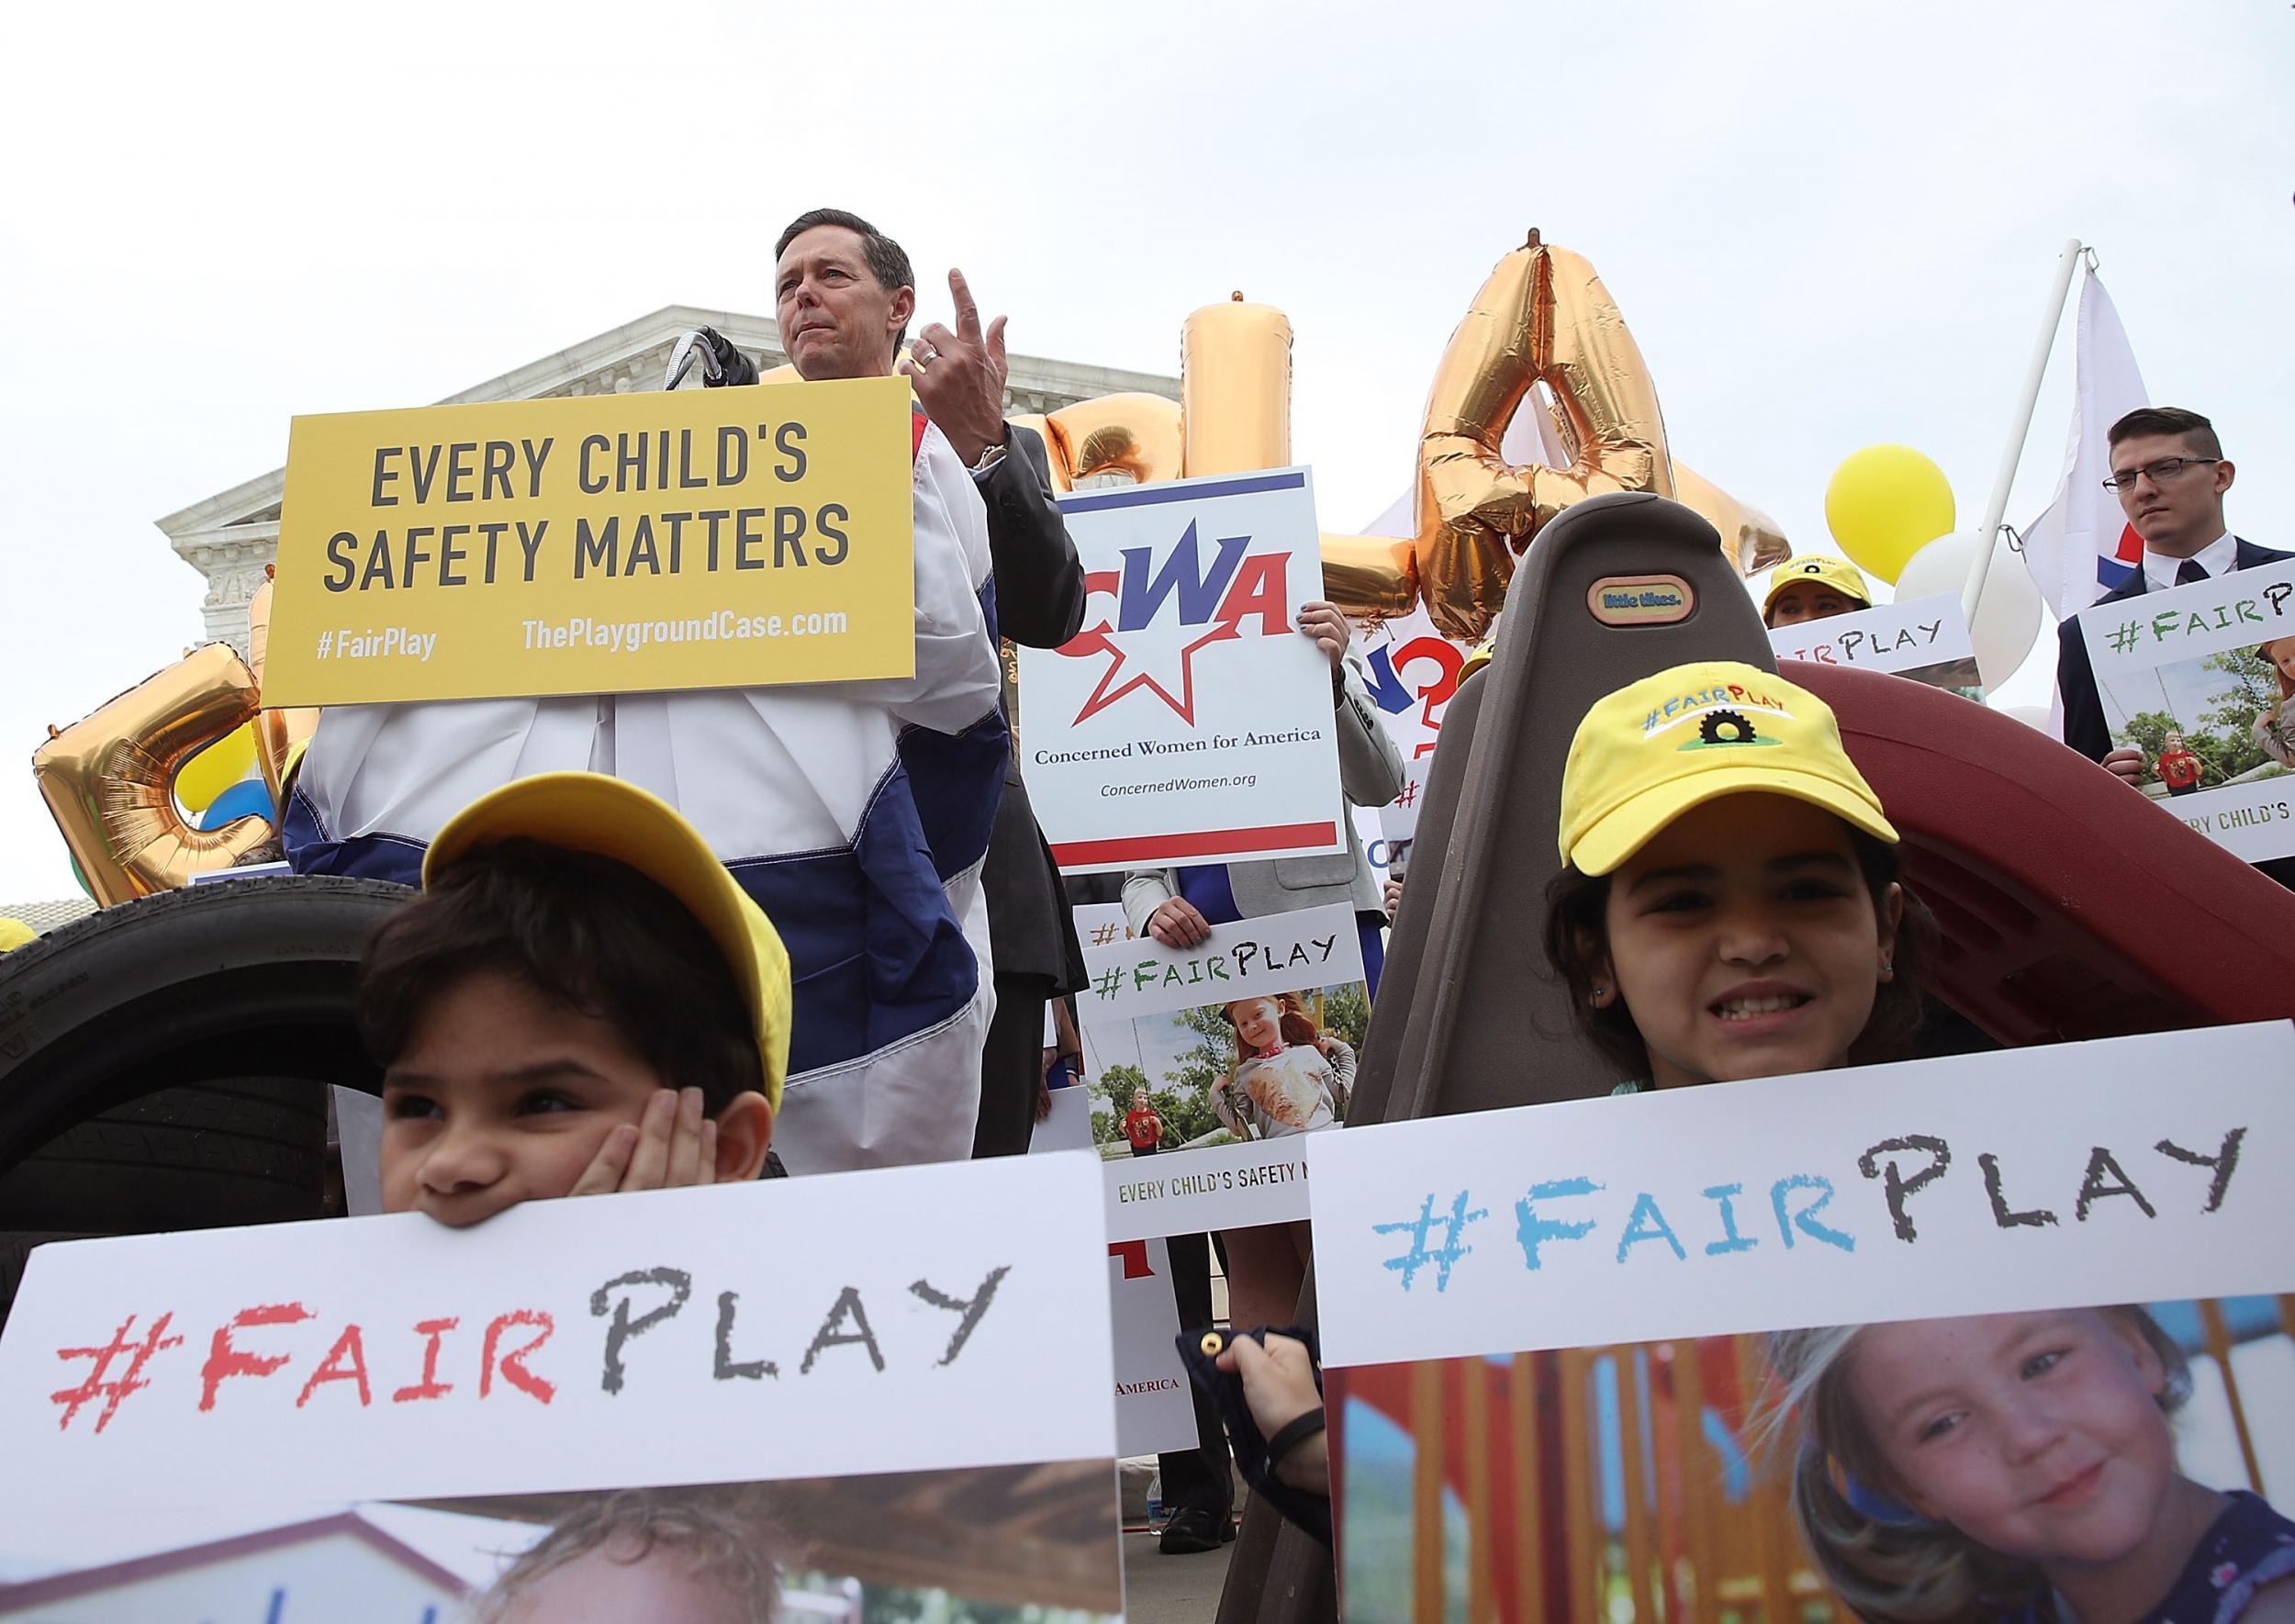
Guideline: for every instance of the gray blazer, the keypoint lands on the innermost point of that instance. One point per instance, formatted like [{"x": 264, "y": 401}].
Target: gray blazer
[{"x": 1370, "y": 774}]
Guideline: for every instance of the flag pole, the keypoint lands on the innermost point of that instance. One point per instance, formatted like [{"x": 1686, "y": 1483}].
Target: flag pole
[{"x": 1997, "y": 508}]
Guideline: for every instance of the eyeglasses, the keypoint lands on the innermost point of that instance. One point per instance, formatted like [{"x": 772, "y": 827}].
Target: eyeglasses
[{"x": 2160, "y": 473}]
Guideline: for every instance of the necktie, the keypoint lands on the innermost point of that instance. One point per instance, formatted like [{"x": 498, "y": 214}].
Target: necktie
[{"x": 2189, "y": 571}]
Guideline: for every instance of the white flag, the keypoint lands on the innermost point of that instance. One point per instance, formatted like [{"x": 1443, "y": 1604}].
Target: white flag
[{"x": 2083, "y": 545}]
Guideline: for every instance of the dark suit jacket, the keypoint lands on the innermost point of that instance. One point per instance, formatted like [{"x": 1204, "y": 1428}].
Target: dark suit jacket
[
  {"x": 2084, "y": 728},
  {"x": 1039, "y": 602}
]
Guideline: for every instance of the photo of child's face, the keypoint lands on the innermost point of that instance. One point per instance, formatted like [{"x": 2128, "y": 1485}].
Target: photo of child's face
[
  {"x": 1745, "y": 941},
  {"x": 611, "y": 1585},
  {"x": 2038, "y": 1436},
  {"x": 1140, "y": 1099},
  {"x": 2281, "y": 653},
  {"x": 2175, "y": 740},
  {"x": 501, "y": 1096},
  {"x": 1259, "y": 1022}
]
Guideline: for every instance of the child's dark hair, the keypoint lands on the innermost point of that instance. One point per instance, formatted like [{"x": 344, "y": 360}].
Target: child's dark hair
[
  {"x": 584, "y": 932},
  {"x": 1576, "y": 909}
]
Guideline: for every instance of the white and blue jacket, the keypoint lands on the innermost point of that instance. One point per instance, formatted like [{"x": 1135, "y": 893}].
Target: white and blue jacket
[{"x": 856, "y": 815}]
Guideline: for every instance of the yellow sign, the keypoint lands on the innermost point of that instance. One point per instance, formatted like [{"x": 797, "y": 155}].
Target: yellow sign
[{"x": 609, "y": 543}]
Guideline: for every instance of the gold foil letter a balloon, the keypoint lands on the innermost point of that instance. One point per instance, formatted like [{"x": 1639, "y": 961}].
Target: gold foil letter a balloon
[{"x": 1544, "y": 315}]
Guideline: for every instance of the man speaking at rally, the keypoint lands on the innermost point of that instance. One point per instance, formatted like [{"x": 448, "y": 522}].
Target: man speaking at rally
[
  {"x": 857, "y": 815},
  {"x": 827, "y": 257}
]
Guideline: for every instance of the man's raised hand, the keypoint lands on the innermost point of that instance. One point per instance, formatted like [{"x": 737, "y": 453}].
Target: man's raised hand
[{"x": 960, "y": 376}]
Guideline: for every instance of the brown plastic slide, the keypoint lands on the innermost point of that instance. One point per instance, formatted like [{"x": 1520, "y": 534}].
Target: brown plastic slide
[{"x": 2071, "y": 906}]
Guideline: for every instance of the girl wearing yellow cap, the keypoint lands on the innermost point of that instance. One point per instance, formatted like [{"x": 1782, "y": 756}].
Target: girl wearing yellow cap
[
  {"x": 1813, "y": 588},
  {"x": 1729, "y": 905}
]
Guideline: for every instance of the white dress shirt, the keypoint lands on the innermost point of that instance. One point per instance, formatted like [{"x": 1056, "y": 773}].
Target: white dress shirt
[{"x": 2218, "y": 557}]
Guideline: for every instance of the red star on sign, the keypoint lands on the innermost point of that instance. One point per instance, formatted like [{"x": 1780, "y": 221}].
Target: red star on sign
[{"x": 1109, "y": 689}]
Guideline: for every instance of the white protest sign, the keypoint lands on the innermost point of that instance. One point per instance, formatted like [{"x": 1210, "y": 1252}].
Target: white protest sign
[
  {"x": 1154, "y": 1410},
  {"x": 359, "y": 1140},
  {"x": 1251, "y": 959},
  {"x": 1098, "y": 924},
  {"x": 2197, "y": 678},
  {"x": 2130, "y": 1169},
  {"x": 821, "y": 1326},
  {"x": 1412, "y": 672},
  {"x": 1226, "y": 1129},
  {"x": 1398, "y": 819},
  {"x": 1190, "y": 722},
  {"x": 1066, "y": 1125},
  {"x": 1923, "y": 638},
  {"x": 1216, "y": 1187}
]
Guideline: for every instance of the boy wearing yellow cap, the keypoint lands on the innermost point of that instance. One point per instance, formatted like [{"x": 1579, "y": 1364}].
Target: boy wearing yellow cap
[
  {"x": 581, "y": 1000},
  {"x": 1729, "y": 905},
  {"x": 1814, "y": 589}
]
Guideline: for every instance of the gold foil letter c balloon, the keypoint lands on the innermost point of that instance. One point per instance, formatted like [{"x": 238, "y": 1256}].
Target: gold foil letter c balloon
[
  {"x": 109, "y": 780},
  {"x": 1543, "y": 315}
]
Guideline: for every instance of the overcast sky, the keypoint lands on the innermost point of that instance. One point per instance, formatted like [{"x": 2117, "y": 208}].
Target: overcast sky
[{"x": 1826, "y": 224}]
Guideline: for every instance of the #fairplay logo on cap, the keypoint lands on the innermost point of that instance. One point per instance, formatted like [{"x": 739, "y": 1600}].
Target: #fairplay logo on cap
[{"x": 1720, "y": 712}]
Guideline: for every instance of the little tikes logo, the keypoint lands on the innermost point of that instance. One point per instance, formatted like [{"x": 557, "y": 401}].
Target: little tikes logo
[
  {"x": 1721, "y": 716},
  {"x": 1232, "y": 596}
]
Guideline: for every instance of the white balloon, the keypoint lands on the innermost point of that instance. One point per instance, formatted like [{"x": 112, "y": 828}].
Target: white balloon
[{"x": 2008, "y": 620}]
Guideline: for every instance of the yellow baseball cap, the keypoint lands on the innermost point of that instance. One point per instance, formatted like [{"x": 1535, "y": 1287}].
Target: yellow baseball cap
[
  {"x": 1837, "y": 573},
  {"x": 592, "y": 812},
  {"x": 1651, "y": 752}
]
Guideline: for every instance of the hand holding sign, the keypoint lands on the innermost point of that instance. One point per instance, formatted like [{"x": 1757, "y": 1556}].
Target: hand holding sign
[
  {"x": 1176, "y": 923},
  {"x": 960, "y": 376},
  {"x": 1328, "y": 626}
]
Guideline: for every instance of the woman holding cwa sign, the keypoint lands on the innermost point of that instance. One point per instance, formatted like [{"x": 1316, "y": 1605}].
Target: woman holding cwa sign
[{"x": 1267, "y": 1265}]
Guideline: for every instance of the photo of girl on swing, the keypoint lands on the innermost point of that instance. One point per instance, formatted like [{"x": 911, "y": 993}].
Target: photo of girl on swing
[
  {"x": 1261, "y": 1067},
  {"x": 1288, "y": 1078}
]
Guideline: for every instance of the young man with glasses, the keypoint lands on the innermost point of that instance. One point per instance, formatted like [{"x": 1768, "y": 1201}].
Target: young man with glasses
[{"x": 2169, "y": 473}]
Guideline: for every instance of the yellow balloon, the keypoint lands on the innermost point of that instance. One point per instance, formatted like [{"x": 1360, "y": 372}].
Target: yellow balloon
[
  {"x": 15, "y": 934},
  {"x": 1884, "y": 504},
  {"x": 215, "y": 769}
]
